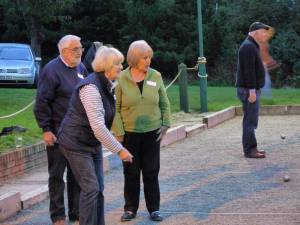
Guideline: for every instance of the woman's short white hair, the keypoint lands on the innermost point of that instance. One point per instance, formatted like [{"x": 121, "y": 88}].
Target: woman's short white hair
[
  {"x": 64, "y": 42},
  {"x": 136, "y": 51},
  {"x": 106, "y": 58}
]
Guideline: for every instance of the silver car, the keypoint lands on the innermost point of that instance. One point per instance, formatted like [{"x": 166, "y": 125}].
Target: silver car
[{"x": 18, "y": 65}]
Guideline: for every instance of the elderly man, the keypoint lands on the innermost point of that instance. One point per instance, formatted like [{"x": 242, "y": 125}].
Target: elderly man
[
  {"x": 250, "y": 79},
  {"x": 56, "y": 83}
]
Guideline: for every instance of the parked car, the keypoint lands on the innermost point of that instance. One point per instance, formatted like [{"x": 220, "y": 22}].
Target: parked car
[{"x": 18, "y": 65}]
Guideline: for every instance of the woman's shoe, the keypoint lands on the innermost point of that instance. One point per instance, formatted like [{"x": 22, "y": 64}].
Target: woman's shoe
[
  {"x": 155, "y": 216},
  {"x": 127, "y": 216}
]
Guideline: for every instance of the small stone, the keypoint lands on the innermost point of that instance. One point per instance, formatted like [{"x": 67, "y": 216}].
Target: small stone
[{"x": 286, "y": 178}]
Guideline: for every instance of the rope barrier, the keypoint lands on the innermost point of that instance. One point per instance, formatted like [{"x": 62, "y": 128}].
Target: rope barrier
[
  {"x": 201, "y": 60},
  {"x": 31, "y": 103},
  {"x": 192, "y": 68},
  {"x": 18, "y": 112},
  {"x": 169, "y": 85},
  {"x": 201, "y": 76},
  {"x": 26, "y": 107}
]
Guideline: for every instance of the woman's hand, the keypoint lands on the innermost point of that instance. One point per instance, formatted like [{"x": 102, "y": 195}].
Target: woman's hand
[
  {"x": 162, "y": 131},
  {"x": 120, "y": 138},
  {"x": 125, "y": 155},
  {"x": 252, "y": 96}
]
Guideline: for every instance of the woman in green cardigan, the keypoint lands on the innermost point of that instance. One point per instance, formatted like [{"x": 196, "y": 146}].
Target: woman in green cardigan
[{"x": 142, "y": 119}]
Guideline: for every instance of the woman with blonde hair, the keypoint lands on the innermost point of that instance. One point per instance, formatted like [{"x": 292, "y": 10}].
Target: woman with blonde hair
[
  {"x": 85, "y": 129},
  {"x": 142, "y": 119}
]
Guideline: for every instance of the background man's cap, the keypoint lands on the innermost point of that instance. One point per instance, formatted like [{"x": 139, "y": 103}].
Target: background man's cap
[{"x": 258, "y": 25}]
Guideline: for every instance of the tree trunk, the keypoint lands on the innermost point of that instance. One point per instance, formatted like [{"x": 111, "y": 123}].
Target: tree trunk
[{"x": 35, "y": 35}]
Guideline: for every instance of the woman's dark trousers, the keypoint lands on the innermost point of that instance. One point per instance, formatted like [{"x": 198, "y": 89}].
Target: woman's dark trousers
[
  {"x": 146, "y": 159},
  {"x": 88, "y": 171}
]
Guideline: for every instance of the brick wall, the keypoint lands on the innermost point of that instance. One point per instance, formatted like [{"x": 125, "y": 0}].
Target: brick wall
[{"x": 18, "y": 162}]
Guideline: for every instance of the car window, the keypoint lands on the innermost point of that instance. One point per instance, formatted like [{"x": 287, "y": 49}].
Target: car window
[{"x": 15, "y": 53}]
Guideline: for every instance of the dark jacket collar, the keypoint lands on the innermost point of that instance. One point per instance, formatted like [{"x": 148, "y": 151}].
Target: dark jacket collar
[
  {"x": 107, "y": 84},
  {"x": 250, "y": 38}
]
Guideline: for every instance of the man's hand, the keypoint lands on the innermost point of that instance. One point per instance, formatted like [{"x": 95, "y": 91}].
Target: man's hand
[
  {"x": 162, "y": 131},
  {"x": 120, "y": 138},
  {"x": 125, "y": 155},
  {"x": 49, "y": 138},
  {"x": 252, "y": 96}
]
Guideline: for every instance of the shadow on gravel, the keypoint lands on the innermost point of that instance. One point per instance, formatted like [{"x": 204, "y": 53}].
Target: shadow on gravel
[
  {"x": 200, "y": 200},
  {"x": 203, "y": 199}
]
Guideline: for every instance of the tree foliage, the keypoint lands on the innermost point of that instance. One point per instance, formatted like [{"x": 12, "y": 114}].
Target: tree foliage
[
  {"x": 169, "y": 26},
  {"x": 30, "y": 20}
]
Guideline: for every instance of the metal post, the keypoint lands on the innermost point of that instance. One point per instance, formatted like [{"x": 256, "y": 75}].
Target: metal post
[
  {"x": 202, "y": 69},
  {"x": 184, "y": 101}
]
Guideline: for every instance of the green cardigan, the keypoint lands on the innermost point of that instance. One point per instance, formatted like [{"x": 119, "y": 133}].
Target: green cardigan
[{"x": 139, "y": 113}]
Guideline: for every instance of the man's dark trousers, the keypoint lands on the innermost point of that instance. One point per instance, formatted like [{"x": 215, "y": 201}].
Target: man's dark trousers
[
  {"x": 250, "y": 119},
  {"x": 57, "y": 164}
]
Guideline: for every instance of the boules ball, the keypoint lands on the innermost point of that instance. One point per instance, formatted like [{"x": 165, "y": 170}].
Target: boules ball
[
  {"x": 286, "y": 178},
  {"x": 282, "y": 136}
]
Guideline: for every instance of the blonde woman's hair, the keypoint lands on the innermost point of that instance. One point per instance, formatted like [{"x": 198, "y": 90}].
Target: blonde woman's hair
[
  {"x": 136, "y": 51},
  {"x": 106, "y": 58}
]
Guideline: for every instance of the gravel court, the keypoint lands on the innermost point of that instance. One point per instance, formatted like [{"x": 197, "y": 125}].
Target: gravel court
[{"x": 205, "y": 179}]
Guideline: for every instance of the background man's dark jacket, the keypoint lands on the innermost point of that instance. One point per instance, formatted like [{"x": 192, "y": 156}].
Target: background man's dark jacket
[
  {"x": 55, "y": 87},
  {"x": 250, "y": 68}
]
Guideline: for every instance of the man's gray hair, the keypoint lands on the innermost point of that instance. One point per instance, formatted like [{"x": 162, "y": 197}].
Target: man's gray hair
[{"x": 65, "y": 41}]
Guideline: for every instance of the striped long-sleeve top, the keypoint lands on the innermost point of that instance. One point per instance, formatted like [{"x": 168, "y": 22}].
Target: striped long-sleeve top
[{"x": 92, "y": 103}]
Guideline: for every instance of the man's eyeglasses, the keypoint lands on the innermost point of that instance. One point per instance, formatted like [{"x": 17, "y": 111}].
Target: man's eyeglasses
[{"x": 77, "y": 49}]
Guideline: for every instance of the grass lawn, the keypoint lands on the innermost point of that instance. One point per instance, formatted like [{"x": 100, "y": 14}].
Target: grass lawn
[
  {"x": 219, "y": 98},
  {"x": 12, "y": 100}
]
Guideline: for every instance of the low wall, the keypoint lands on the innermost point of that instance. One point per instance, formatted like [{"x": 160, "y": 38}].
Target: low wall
[
  {"x": 274, "y": 110},
  {"x": 216, "y": 118},
  {"x": 20, "y": 161}
]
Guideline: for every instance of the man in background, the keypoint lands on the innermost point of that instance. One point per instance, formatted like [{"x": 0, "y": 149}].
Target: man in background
[
  {"x": 90, "y": 55},
  {"x": 56, "y": 83},
  {"x": 249, "y": 81}
]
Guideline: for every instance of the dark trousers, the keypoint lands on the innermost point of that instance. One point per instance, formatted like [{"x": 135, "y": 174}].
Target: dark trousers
[
  {"x": 146, "y": 159},
  {"x": 57, "y": 164},
  {"x": 88, "y": 171},
  {"x": 250, "y": 119}
]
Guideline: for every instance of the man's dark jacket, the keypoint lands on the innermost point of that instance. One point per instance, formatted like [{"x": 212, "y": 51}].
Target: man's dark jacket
[
  {"x": 250, "y": 68},
  {"x": 56, "y": 84}
]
